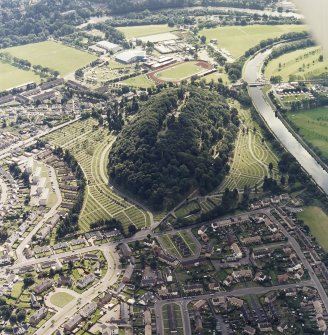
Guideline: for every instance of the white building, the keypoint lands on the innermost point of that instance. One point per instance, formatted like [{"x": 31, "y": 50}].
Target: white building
[
  {"x": 108, "y": 46},
  {"x": 130, "y": 56}
]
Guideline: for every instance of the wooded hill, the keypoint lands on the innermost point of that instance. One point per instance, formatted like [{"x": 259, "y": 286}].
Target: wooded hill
[{"x": 179, "y": 142}]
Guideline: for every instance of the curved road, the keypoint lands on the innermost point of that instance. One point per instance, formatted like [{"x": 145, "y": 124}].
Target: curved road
[{"x": 310, "y": 165}]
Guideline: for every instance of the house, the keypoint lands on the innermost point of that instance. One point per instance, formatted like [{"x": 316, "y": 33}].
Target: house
[
  {"x": 88, "y": 310},
  {"x": 236, "y": 302},
  {"x": 21, "y": 329},
  {"x": 282, "y": 279},
  {"x": 124, "y": 312},
  {"x": 198, "y": 323},
  {"x": 236, "y": 250},
  {"x": 249, "y": 330},
  {"x": 200, "y": 304},
  {"x": 73, "y": 322},
  {"x": 34, "y": 302},
  {"x": 193, "y": 262},
  {"x": 317, "y": 307},
  {"x": 220, "y": 302},
  {"x": 168, "y": 259},
  {"x": 128, "y": 274},
  {"x": 38, "y": 316},
  {"x": 147, "y": 317},
  {"x": 282, "y": 327},
  {"x": 252, "y": 240},
  {"x": 271, "y": 297},
  {"x": 264, "y": 327},
  {"x": 44, "y": 286},
  {"x": 111, "y": 329},
  {"x": 228, "y": 281},
  {"x": 213, "y": 286},
  {"x": 125, "y": 250},
  {"x": 85, "y": 281},
  {"x": 193, "y": 288},
  {"x": 104, "y": 300},
  {"x": 149, "y": 277},
  {"x": 65, "y": 281},
  {"x": 242, "y": 274}
]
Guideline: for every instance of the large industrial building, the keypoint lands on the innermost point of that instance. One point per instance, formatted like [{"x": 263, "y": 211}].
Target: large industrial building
[{"x": 130, "y": 56}]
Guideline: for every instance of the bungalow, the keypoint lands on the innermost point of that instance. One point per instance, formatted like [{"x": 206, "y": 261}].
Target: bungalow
[
  {"x": 125, "y": 250},
  {"x": 236, "y": 250},
  {"x": 249, "y": 330},
  {"x": 200, "y": 304},
  {"x": 242, "y": 274},
  {"x": 220, "y": 302},
  {"x": 193, "y": 288},
  {"x": 128, "y": 274},
  {"x": 236, "y": 302},
  {"x": 65, "y": 281}
]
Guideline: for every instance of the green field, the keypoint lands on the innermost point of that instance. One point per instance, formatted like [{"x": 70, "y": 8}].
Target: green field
[
  {"x": 61, "y": 299},
  {"x": 215, "y": 76},
  {"x": 11, "y": 77},
  {"x": 317, "y": 220},
  {"x": 237, "y": 39},
  {"x": 298, "y": 65},
  {"x": 91, "y": 148},
  {"x": 140, "y": 81},
  {"x": 313, "y": 125},
  {"x": 140, "y": 31},
  {"x": 180, "y": 71},
  {"x": 53, "y": 55}
]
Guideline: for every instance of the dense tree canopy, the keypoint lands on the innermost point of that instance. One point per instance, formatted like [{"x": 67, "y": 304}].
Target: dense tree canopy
[{"x": 179, "y": 142}]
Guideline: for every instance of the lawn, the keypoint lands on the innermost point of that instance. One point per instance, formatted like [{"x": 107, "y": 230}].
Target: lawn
[
  {"x": 216, "y": 76},
  {"x": 317, "y": 220},
  {"x": 140, "y": 31},
  {"x": 298, "y": 65},
  {"x": 53, "y": 55},
  {"x": 180, "y": 71},
  {"x": 11, "y": 77},
  {"x": 61, "y": 299},
  {"x": 237, "y": 39},
  {"x": 140, "y": 81},
  {"x": 313, "y": 125},
  {"x": 17, "y": 289}
]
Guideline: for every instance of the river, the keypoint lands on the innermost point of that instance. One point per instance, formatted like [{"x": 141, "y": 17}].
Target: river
[{"x": 310, "y": 165}]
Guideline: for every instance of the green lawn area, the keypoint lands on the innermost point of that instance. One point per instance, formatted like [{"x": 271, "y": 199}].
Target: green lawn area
[
  {"x": 11, "y": 77},
  {"x": 237, "y": 39},
  {"x": 180, "y": 71},
  {"x": 140, "y": 31},
  {"x": 317, "y": 220},
  {"x": 299, "y": 64},
  {"x": 61, "y": 299},
  {"x": 140, "y": 81},
  {"x": 313, "y": 125},
  {"x": 53, "y": 55},
  {"x": 215, "y": 76},
  {"x": 17, "y": 289}
]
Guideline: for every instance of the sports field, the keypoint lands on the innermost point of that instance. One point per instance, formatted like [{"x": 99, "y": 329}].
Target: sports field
[
  {"x": 313, "y": 125},
  {"x": 53, "y": 55},
  {"x": 90, "y": 146},
  {"x": 237, "y": 39},
  {"x": 317, "y": 220},
  {"x": 140, "y": 81},
  {"x": 179, "y": 71},
  {"x": 140, "y": 31},
  {"x": 298, "y": 65},
  {"x": 11, "y": 77},
  {"x": 61, "y": 299}
]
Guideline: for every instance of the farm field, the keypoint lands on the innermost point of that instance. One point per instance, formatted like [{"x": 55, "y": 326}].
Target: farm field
[
  {"x": 90, "y": 146},
  {"x": 11, "y": 77},
  {"x": 53, "y": 55},
  {"x": 61, "y": 299},
  {"x": 140, "y": 81},
  {"x": 312, "y": 126},
  {"x": 298, "y": 65},
  {"x": 146, "y": 30},
  {"x": 317, "y": 220},
  {"x": 237, "y": 40},
  {"x": 251, "y": 157}
]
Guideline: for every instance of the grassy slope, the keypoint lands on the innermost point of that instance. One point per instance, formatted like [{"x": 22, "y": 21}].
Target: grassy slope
[
  {"x": 140, "y": 31},
  {"x": 317, "y": 220},
  {"x": 313, "y": 126},
  {"x": 12, "y": 76},
  {"x": 237, "y": 40},
  {"x": 54, "y": 55},
  {"x": 292, "y": 62}
]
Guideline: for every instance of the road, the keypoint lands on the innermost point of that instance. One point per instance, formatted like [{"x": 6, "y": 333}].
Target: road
[{"x": 308, "y": 162}]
